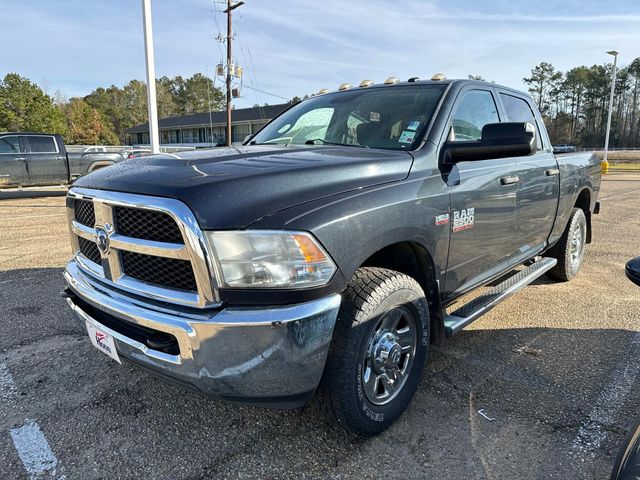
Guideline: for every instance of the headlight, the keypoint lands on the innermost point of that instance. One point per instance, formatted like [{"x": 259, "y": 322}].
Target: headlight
[{"x": 270, "y": 259}]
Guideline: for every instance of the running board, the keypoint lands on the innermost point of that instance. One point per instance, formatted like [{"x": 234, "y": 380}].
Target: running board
[{"x": 467, "y": 313}]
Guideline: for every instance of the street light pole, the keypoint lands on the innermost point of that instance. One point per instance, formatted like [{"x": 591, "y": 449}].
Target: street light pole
[
  {"x": 605, "y": 163},
  {"x": 154, "y": 137}
]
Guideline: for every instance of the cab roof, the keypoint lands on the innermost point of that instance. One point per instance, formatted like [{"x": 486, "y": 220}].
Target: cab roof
[{"x": 454, "y": 81}]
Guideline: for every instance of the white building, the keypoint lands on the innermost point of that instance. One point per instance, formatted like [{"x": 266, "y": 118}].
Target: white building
[{"x": 205, "y": 129}]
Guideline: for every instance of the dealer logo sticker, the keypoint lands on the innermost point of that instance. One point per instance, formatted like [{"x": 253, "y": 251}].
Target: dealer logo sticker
[
  {"x": 463, "y": 219},
  {"x": 101, "y": 340}
]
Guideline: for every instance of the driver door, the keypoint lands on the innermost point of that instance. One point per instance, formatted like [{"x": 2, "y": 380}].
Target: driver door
[{"x": 483, "y": 197}]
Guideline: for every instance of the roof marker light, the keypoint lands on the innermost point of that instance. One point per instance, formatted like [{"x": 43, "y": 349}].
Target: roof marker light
[
  {"x": 413, "y": 79},
  {"x": 391, "y": 80},
  {"x": 323, "y": 91},
  {"x": 345, "y": 86},
  {"x": 438, "y": 76},
  {"x": 366, "y": 83}
]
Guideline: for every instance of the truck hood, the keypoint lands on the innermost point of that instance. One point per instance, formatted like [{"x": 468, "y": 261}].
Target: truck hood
[{"x": 233, "y": 187}]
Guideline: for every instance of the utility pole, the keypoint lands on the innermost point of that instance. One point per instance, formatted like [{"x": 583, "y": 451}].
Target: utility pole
[
  {"x": 229, "y": 76},
  {"x": 154, "y": 137},
  {"x": 605, "y": 163}
]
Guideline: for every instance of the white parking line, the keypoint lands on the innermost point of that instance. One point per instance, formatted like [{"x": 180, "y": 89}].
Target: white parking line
[
  {"x": 7, "y": 386},
  {"x": 623, "y": 194},
  {"x": 33, "y": 449},
  {"x": 592, "y": 431}
]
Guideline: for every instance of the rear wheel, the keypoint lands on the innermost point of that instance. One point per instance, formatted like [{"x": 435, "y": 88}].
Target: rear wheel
[
  {"x": 377, "y": 353},
  {"x": 569, "y": 251}
]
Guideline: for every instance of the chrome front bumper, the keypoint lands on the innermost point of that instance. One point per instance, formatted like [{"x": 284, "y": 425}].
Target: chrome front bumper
[{"x": 272, "y": 355}]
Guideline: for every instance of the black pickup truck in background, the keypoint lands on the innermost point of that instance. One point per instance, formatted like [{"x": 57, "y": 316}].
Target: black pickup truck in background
[
  {"x": 327, "y": 253},
  {"x": 31, "y": 159}
]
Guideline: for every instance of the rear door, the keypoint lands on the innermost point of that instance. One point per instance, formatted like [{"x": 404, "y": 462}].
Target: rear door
[
  {"x": 13, "y": 162},
  {"x": 46, "y": 159},
  {"x": 483, "y": 198},
  {"x": 539, "y": 182}
]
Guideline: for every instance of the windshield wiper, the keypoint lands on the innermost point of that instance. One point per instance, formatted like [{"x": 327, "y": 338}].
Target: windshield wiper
[{"x": 326, "y": 142}]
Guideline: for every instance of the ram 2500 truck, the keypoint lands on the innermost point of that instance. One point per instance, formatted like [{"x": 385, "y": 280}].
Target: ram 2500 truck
[
  {"x": 30, "y": 159},
  {"x": 329, "y": 251}
]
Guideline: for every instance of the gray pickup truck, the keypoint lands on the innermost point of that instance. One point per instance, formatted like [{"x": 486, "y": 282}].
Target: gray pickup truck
[
  {"x": 329, "y": 251},
  {"x": 31, "y": 159}
]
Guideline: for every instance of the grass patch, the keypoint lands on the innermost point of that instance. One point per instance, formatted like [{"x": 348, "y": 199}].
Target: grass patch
[
  {"x": 624, "y": 166},
  {"x": 621, "y": 156}
]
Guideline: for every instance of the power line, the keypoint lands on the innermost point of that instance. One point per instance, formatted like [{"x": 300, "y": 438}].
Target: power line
[
  {"x": 251, "y": 73},
  {"x": 267, "y": 93},
  {"x": 215, "y": 19}
]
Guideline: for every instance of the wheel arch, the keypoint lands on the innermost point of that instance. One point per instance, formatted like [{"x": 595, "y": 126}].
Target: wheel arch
[
  {"x": 414, "y": 260},
  {"x": 583, "y": 202}
]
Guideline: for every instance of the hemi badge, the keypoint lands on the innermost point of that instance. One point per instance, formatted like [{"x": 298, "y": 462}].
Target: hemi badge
[{"x": 442, "y": 219}]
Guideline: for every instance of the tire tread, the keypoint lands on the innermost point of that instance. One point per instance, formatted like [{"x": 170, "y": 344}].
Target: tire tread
[{"x": 368, "y": 287}]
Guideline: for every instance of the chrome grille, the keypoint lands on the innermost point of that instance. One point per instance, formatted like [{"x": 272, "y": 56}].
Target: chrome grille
[
  {"x": 159, "y": 270},
  {"x": 153, "y": 248},
  {"x": 84, "y": 212},
  {"x": 146, "y": 224},
  {"x": 89, "y": 250}
]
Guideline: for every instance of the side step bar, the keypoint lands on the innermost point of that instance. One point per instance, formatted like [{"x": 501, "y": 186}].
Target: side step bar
[{"x": 467, "y": 313}]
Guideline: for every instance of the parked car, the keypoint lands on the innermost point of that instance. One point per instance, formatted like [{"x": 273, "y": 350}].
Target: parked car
[
  {"x": 327, "y": 253},
  {"x": 564, "y": 148},
  {"x": 627, "y": 465},
  {"x": 28, "y": 159}
]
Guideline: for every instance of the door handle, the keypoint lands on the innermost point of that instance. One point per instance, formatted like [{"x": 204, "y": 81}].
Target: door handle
[
  {"x": 510, "y": 180},
  {"x": 21, "y": 159},
  {"x": 551, "y": 172}
]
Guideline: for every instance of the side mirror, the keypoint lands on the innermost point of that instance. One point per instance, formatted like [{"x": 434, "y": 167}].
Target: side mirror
[
  {"x": 246, "y": 139},
  {"x": 633, "y": 270},
  {"x": 498, "y": 140}
]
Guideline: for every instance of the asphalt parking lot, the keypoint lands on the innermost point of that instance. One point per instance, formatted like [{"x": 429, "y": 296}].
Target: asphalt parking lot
[{"x": 553, "y": 372}]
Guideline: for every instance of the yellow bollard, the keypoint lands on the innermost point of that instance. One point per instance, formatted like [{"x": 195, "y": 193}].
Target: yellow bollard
[{"x": 604, "y": 166}]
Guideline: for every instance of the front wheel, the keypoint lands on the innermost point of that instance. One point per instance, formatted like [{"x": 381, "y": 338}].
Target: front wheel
[
  {"x": 378, "y": 351},
  {"x": 569, "y": 251}
]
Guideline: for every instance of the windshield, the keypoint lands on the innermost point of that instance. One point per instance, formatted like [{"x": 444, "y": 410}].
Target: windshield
[{"x": 389, "y": 117}]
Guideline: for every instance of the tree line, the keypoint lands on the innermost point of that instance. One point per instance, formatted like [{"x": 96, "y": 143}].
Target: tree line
[
  {"x": 574, "y": 105},
  {"x": 102, "y": 116}
]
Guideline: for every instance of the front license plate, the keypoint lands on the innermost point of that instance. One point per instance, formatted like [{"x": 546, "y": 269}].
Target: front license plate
[{"x": 103, "y": 342}]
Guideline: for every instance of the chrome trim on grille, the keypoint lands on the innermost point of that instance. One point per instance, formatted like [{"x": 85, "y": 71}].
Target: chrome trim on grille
[{"x": 193, "y": 250}]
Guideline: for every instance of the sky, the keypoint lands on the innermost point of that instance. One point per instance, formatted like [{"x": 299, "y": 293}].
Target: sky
[{"x": 297, "y": 47}]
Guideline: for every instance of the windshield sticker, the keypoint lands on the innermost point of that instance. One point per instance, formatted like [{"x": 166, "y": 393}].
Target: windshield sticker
[
  {"x": 413, "y": 125},
  {"x": 374, "y": 117},
  {"x": 407, "y": 136},
  {"x": 463, "y": 219}
]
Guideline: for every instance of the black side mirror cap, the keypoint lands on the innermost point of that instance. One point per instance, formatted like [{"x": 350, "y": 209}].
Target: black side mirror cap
[
  {"x": 632, "y": 270},
  {"x": 498, "y": 140}
]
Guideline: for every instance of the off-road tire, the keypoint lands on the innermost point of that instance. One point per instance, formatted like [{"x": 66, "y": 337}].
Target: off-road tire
[
  {"x": 370, "y": 297},
  {"x": 566, "y": 268}
]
